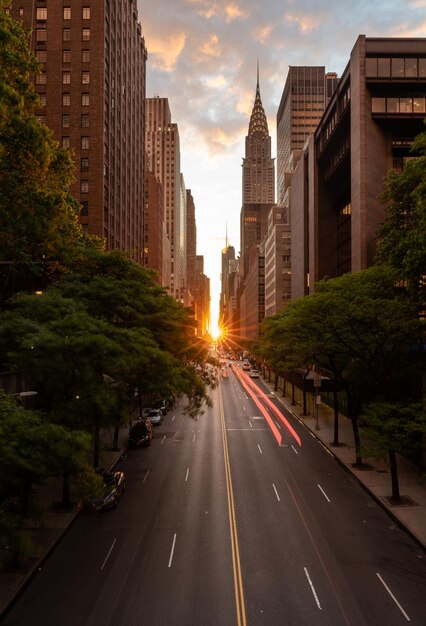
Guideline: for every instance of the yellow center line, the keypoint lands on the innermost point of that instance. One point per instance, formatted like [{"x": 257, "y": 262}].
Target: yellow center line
[{"x": 236, "y": 564}]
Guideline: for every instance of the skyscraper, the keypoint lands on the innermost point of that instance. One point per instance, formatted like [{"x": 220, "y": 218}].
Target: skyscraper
[
  {"x": 306, "y": 93},
  {"x": 92, "y": 96},
  {"x": 163, "y": 149},
  {"x": 258, "y": 195}
]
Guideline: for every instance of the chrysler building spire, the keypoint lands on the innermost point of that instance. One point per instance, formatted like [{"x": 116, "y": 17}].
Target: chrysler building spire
[{"x": 258, "y": 122}]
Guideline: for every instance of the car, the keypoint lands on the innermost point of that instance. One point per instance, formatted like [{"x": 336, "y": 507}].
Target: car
[
  {"x": 254, "y": 373},
  {"x": 155, "y": 416},
  {"x": 140, "y": 434},
  {"x": 163, "y": 406},
  {"x": 246, "y": 366},
  {"x": 146, "y": 411},
  {"x": 114, "y": 485}
]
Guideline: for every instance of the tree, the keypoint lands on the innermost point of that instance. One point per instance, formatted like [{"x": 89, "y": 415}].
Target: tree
[
  {"x": 32, "y": 450},
  {"x": 358, "y": 327},
  {"x": 38, "y": 216},
  {"x": 402, "y": 237}
]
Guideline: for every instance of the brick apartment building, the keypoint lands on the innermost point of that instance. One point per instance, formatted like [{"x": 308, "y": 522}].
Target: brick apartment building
[{"x": 92, "y": 96}]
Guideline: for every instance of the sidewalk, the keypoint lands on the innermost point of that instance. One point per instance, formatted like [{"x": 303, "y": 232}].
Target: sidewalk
[
  {"x": 50, "y": 528},
  {"x": 376, "y": 479}
]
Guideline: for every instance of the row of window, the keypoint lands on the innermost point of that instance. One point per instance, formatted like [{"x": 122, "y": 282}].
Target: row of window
[
  {"x": 406, "y": 104},
  {"x": 41, "y": 13},
  {"x": 41, "y": 56},
  {"x": 41, "y": 34},
  {"x": 66, "y": 120},
  {"x": 66, "y": 99},
  {"x": 65, "y": 141},
  {"x": 385, "y": 67},
  {"x": 41, "y": 79}
]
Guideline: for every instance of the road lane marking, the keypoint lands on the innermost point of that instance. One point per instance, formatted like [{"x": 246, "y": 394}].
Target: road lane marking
[
  {"x": 251, "y": 425},
  {"x": 146, "y": 476},
  {"x": 172, "y": 551},
  {"x": 247, "y": 398},
  {"x": 312, "y": 588},
  {"x": 323, "y": 493},
  {"x": 244, "y": 408},
  {"x": 193, "y": 439},
  {"x": 235, "y": 552},
  {"x": 109, "y": 552},
  {"x": 279, "y": 425},
  {"x": 393, "y": 597},
  {"x": 294, "y": 449},
  {"x": 162, "y": 441},
  {"x": 173, "y": 418},
  {"x": 276, "y": 492},
  {"x": 260, "y": 449},
  {"x": 186, "y": 477}
]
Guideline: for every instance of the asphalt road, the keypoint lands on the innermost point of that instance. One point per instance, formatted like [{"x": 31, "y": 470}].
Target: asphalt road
[{"x": 221, "y": 525}]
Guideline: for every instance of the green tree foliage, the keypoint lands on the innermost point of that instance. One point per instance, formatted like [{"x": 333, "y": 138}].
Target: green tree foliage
[
  {"x": 32, "y": 450},
  {"x": 38, "y": 216},
  {"x": 357, "y": 327},
  {"x": 402, "y": 237}
]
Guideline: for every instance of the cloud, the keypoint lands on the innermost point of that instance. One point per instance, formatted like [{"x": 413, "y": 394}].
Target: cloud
[
  {"x": 306, "y": 23},
  {"x": 211, "y": 47},
  {"x": 164, "y": 52}
]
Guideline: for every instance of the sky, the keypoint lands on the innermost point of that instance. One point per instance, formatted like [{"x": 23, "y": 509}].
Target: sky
[{"x": 202, "y": 56}]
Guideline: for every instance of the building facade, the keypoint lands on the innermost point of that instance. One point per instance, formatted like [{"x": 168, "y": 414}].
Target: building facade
[
  {"x": 277, "y": 262},
  {"x": 163, "y": 149},
  {"x": 306, "y": 92},
  {"x": 258, "y": 195},
  {"x": 367, "y": 129},
  {"x": 92, "y": 96}
]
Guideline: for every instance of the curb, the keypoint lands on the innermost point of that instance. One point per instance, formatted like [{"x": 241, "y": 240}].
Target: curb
[
  {"x": 40, "y": 562},
  {"x": 347, "y": 468}
]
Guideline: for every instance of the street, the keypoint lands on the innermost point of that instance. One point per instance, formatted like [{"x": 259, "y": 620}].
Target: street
[{"x": 232, "y": 519}]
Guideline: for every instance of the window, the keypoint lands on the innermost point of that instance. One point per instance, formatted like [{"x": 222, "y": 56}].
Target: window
[
  {"x": 66, "y": 99},
  {"x": 85, "y": 121},
  {"x": 41, "y": 34},
  {"x": 66, "y": 34},
  {"x": 85, "y": 56},
  {"x": 65, "y": 120},
  {"x": 86, "y": 34},
  {"x": 65, "y": 142},
  {"x": 66, "y": 56},
  {"x": 41, "y": 56},
  {"x": 419, "y": 103},
  {"x": 405, "y": 105},
  {"x": 371, "y": 67},
  {"x": 85, "y": 99},
  {"x": 383, "y": 67},
  {"x": 85, "y": 143},
  {"x": 84, "y": 186},
  {"x": 41, "y": 119},
  {"x": 86, "y": 13},
  {"x": 84, "y": 208},
  {"x": 410, "y": 67},
  {"x": 393, "y": 105},
  {"x": 422, "y": 68},
  {"x": 40, "y": 79},
  {"x": 67, "y": 13},
  {"x": 66, "y": 78},
  {"x": 84, "y": 164},
  {"x": 85, "y": 78},
  {"x": 42, "y": 97},
  {"x": 378, "y": 105},
  {"x": 397, "y": 68},
  {"x": 41, "y": 14}
]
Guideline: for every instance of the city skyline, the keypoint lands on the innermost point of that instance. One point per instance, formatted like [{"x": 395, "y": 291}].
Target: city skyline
[{"x": 202, "y": 56}]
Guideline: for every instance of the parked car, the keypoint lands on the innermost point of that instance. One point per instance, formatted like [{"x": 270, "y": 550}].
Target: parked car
[
  {"x": 163, "y": 406},
  {"x": 146, "y": 411},
  {"x": 140, "y": 434},
  {"x": 254, "y": 373},
  {"x": 155, "y": 416},
  {"x": 114, "y": 485}
]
